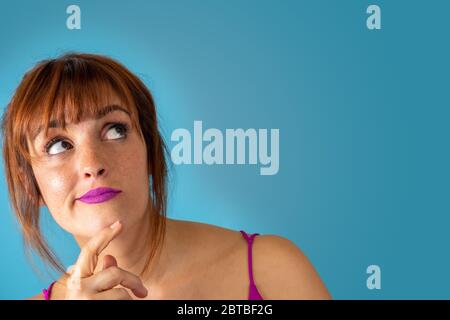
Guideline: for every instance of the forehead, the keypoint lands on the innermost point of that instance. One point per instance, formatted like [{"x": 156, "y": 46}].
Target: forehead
[{"x": 96, "y": 115}]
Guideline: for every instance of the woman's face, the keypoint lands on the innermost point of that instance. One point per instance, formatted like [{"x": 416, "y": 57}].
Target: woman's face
[{"x": 93, "y": 153}]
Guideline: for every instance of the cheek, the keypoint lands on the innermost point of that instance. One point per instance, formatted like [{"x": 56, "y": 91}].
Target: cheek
[
  {"x": 134, "y": 163},
  {"x": 134, "y": 175},
  {"x": 57, "y": 183},
  {"x": 55, "y": 187}
]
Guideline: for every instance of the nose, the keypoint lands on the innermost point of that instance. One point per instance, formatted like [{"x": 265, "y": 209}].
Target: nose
[
  {"x": 94, "y": 172},
  {"x": 92, "y": 164}
]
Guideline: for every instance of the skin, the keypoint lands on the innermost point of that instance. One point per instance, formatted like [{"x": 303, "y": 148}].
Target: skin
[{"x": 197, "y": 261}]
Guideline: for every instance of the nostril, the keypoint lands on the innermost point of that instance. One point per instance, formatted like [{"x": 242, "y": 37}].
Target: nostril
[{"x": 92, "y": 173}]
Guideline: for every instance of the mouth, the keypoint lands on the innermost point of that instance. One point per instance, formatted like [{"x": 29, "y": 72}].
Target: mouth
[{"x": 99, "y": 195}]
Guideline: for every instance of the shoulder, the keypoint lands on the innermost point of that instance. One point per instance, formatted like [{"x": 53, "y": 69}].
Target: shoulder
[
  {"x": 57, "y": 291},
  {"x": 282, "y": 271},
  {"x": 204, "y": 233},
  {"x": 280, "y": 268},
  {"x": 39, "y": 296}
]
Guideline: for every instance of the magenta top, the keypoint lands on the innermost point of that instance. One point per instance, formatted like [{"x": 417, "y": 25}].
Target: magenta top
[
  {"x": 47, "y": 292},
  {"x": 253, "y": 290}
]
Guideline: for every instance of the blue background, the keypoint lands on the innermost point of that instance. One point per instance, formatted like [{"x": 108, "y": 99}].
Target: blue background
[{"x": 363, "y": 118}]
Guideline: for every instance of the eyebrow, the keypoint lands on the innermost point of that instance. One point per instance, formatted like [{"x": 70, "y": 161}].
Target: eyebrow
[{"x": 98, "y": 115}]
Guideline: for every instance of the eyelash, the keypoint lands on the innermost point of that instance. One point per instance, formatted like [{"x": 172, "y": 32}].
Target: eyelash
[{"x": 52, "y": 141}]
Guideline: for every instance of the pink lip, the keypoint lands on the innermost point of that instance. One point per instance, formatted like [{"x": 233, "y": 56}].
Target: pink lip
[{"x": 99, "y": 195}]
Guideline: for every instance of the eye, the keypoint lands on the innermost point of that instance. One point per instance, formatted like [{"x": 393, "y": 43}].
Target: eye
[
  {"x": 118, "y": 129},
  {"x": 49, "y": 148},
  {"x": 52, "y": 147}
]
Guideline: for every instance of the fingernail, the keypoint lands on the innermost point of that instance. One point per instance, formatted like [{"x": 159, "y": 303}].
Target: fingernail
[{"x": 115, "y": 224}]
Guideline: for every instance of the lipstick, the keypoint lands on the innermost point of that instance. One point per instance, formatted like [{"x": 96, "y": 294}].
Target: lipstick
[{"x": 99, "y": 195}]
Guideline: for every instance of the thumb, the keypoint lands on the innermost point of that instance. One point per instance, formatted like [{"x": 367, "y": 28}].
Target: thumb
[{"x": 109, "y": 261}]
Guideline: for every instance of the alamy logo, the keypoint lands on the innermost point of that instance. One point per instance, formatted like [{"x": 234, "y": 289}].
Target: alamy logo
[
  {"x": 74, "y": 20},
  {"x": 374, "y": 280},
  {"x": 374, "y": 20},
  {"x": 235, "y": 150}
]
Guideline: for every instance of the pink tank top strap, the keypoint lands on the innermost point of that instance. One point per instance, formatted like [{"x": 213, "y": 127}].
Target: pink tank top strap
[
  {"x": 47, "y": 292},
  {"x": 253, "y": 292}
]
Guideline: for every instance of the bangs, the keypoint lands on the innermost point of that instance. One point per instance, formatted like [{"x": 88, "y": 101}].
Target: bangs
[{"x": 72, "y": 91}]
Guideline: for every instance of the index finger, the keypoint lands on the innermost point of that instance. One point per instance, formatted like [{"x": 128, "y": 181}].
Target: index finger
[{"x": 87, "y": 260}]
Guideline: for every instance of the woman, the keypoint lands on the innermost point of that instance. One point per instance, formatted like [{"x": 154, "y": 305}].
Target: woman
[{"x": 81, "y": 137}]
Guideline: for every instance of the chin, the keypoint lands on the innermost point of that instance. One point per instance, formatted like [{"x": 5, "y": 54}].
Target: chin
[{"x": 94, "y": 225}]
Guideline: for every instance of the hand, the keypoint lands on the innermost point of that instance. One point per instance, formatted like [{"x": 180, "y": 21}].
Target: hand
[{"x": 84, "y": 284}]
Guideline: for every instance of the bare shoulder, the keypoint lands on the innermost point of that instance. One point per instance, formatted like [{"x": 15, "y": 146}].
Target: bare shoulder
[
  {"x": 282, "y": 271},
  {"x": 57, "y": 292},
  {"x": 207, "y": 233},
  {"x": 213, "y": 240},
  {"x": 39, "y": 296}
]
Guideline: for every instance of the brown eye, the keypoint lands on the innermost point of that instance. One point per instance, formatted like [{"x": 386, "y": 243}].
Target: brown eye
[
  {"x": 118, "y": 130},
  {"x": 55, "y": 145}
]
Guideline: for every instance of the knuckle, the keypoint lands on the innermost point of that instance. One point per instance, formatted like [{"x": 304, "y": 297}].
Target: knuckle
[{"x": 114, "y": 272}]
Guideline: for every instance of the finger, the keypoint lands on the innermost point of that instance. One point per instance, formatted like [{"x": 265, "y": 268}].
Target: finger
[
  {"x": 87, "y": 260},
  {"x": 109, "y": 261},
  {"x": 113, "y": 294},
  {"x": 114, "y": 276}
]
